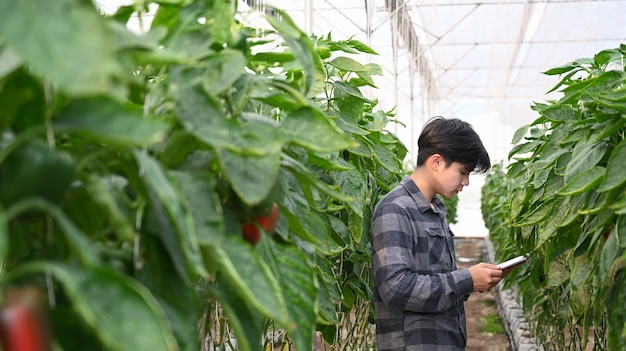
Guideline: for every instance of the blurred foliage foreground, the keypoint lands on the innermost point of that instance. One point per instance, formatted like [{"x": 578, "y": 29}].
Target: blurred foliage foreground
[{"x": 197, "y": 184}]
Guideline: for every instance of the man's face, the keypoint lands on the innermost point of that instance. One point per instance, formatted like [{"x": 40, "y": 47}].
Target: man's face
[{"x": 452, "y": 179}]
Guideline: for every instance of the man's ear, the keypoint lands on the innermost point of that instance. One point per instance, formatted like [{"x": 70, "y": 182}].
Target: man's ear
[{"x": 435, "y": 162}]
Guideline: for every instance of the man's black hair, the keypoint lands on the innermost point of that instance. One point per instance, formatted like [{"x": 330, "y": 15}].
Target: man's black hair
[{"x": 456, "y": 141}]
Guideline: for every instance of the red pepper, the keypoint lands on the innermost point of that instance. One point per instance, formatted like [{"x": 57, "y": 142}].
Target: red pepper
[
  {"x": 251, "y": 229},
  {"x": 21, "y": 324}
]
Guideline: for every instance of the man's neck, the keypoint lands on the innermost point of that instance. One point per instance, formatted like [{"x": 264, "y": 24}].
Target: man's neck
[{"x": 424, "y": 181}]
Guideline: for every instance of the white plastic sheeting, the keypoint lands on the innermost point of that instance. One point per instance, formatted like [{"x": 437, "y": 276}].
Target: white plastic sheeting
[{"x": 480, "y": 61}]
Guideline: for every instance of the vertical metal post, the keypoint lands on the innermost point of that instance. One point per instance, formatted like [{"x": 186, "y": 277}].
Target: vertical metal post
[{"x": 308, "y": 16}]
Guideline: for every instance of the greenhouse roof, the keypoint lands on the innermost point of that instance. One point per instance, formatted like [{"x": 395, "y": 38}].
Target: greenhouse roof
[
  {"x": 477, "y": 60},
  {"x": 481, "y": 61}
]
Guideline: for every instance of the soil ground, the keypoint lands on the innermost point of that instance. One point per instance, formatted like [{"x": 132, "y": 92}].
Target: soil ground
[{"x": 481, "y": 308}]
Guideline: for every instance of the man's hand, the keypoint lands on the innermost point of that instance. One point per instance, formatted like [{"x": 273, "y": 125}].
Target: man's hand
[{"x": 485, "y": 276}]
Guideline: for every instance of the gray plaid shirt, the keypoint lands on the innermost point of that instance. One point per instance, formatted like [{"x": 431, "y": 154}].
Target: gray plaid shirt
[{"x": 418, "y": 290}]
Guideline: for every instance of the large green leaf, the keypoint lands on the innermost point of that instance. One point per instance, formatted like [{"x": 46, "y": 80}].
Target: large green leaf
[
  {"x": 102, "y": 192},
  {"x": 329, "y": 294},
  {"x": 123, "y": 313},
  {"x": 252, "y": 168},
  {"x": 222, "y": 70},
  {"x": 107, "y": 120},
  {"x": 348, "y": 64},
  {"x": 585, "y": 181},
  {"x": 251, "y": 176},
  {"x": 180, "y": 299},
  {"x": 306, "y": 176},
  {"x": 75, "y": 53},
  {"x": 159, "y": 182},
  {"x": 615, "y": 168},
  {"x": 387, "y": 158},
  {"x": 310, "y": 128},
  {"x": 75, "y": 238},
  {"x": 244, "y": 270},
  {"x": 352, "y": 183},
  {"x": 558, "y": 270},
  {"x": 199, "y": 113},
  {"x": 560, "y": 113},
  {"x": 200, "y": 198},
  {"x": 9, "y": 61},
  {"x": 585, "y": 156},
  {"x": 297, "y": 280},
  {"x": 580, "y": 296}
]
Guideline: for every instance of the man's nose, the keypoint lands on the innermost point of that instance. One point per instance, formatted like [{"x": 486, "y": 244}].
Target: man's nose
[{"x": 465, "y": 181}]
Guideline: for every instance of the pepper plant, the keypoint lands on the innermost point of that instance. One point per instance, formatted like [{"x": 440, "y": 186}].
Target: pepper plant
[
  {"x": 562, "y": 199},
  {"x": 129, "y": 162}
]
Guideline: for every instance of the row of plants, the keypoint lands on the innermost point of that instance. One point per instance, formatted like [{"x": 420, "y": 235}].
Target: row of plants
[
  {"x": 203, "y": 184},
  {"x": 562, "y": 200}
]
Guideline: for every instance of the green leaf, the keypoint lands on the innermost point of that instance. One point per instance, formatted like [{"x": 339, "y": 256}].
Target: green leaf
[
  {"x": 522, "y": 149},
  {"x": 584, "y": 156},
  {"x": 103, "y": 195},
  {"x": 107, "y": 120},
  {"x": 619, "y": 206},
  {"x": 9, "y": 61},
  {"x": 298, "y": 284},
  {"x": 347, "y": 64},
  {"x": 562, "y": 69},
  {"x": 247, "y": 323},
  {"x": 242, "y": 267},
  {"x": 611, "y": 127},
  {"x": 180, "y": 299},
  {"x": 387, "y": 158},
  {"x": 312, "y": 129},
  {"x": 580, "y": 296},
  {"x": 201, "y": 200},
  {"x": 329, "y": 162},
  {"x": 563, "y": 80},
  {"x": 222, "y": 70},
  {"x": 112, "y": 304},
  {"x": 307, "y": 176},
  {"x": 251, "y": 176},
  {"x": 583, "y": 182},
  {"x": 519, "y": 134},
  {"x": 351, "y": 183},
  {"x": 558, "y": 271},
  {"x": 360, "y": 46},
  {"x": 199, "y": 113},
  {"x": 560, "y": 113},
  {"x": 615, "y": 168},
  {"x": 329, "y": 288},
  {"x": 537, "y": 215},
  {"x": 349, "y": 89},
  {"x": 620, "y": 229},
  {"x": 75, "y": 239},
  {"x": 82, "y": 65},
  {"x": 4, "y": 234},
  {"x": 159, "y": 182},
  {"x": 313, "y": 66}
]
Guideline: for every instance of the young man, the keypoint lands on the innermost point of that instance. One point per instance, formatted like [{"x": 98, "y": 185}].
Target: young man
[{"x": 418, "y": 290}]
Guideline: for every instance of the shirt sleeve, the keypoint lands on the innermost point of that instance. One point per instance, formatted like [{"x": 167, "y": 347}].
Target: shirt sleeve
[{"x": 398, "y": 281}]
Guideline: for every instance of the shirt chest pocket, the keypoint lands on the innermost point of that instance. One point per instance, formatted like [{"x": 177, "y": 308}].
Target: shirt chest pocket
[{"x": 440, "y": 251}]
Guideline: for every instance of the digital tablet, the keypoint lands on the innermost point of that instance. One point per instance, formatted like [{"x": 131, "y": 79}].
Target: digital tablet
[{"x": 512, "y": 263}]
